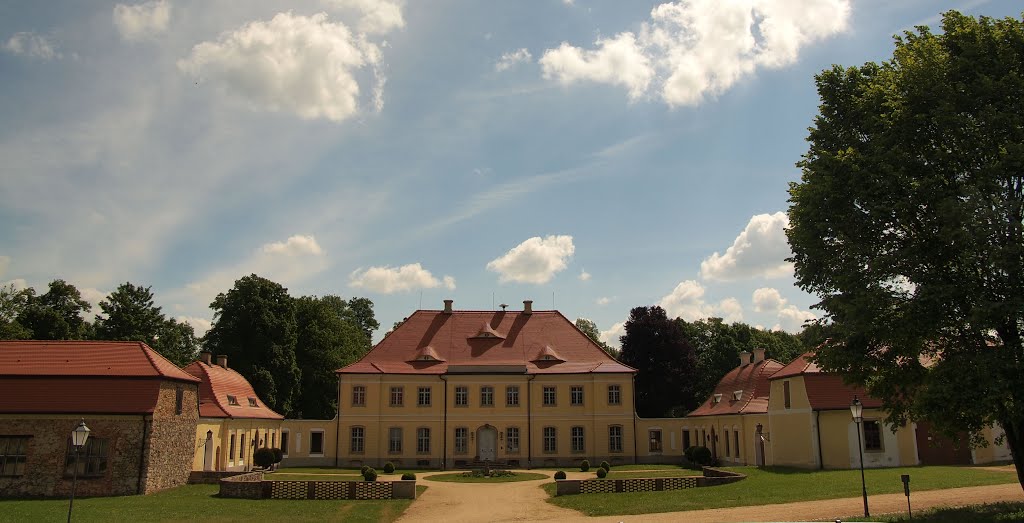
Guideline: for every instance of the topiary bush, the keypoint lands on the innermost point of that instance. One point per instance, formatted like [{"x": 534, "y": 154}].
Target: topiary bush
[
  {"x": 560, "y": 474},
  {"x": 409, "y": 476},
  {"x": 702, "y": 456},
  {"x": 389, "y": 468},
  {"x": 688, "y": 453},
  {"x": 363, "y": 469},
  {"x": 584, "y": 466},
  {"x": 263, "y": 457},
  {"x": 602, "y": 472},
  {"x": 278, "y": 455},
  {"x": 370, "y": 474},
  {"x": 605, "y": 465}
]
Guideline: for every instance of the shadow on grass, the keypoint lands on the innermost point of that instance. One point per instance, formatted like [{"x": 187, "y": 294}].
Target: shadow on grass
[{"x": 994, "y": 513}]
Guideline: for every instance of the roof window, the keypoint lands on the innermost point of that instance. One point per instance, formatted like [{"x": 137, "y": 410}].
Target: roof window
[
  {"x": 737, "y": 394},
  {"x": 716, "y": 399},
  {"x": 426, "y": 353},
  {"x": 488, "y": 332},
  {"x": 232, "y": 400},
  {"x": 548, "y": 353},
  {"x": 252, "y": 402}
]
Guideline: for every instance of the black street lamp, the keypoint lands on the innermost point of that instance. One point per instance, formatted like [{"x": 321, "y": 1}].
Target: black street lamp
[
  {"x": 858, "y": 416},
  {"x": 78, "y": 438}
]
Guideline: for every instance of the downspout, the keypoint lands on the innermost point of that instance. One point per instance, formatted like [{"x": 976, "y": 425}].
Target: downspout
[
  {"x": 337, "y": 429},
  {"x": 817, "y": 429},
  {"x": 444, "y": 424},
  {"x": 634, "y": 420},
  {"x": 142, "y": 452},
  {"x": 529, "y": 421}
]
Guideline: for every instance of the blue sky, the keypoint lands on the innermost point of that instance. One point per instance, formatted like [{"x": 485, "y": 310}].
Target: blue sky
[{"x": 592, "y": 156}]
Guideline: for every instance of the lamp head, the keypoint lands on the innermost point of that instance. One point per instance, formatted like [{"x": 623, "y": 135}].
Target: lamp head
[
  {"x": 80, "y": 435},
  {"x": 857, "y": 410}
]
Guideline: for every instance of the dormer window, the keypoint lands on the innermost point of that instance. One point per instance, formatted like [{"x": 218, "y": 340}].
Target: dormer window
[
  {"x": 487, "y": 332},
  {"x": 252, "y": 402},
  {"x": 232, "y": 400},
  {"x": 426, "y": 353},
  {"x": 548, "y": 357},
  {"x": 548, "y": 354},
  {"x": 716, "y": 399},
  {"x": 737, "y": 394}
]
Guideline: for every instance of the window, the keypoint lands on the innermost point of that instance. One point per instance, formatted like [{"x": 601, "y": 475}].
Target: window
[
  {"x": 487, "y": 396},
  {"x": 92, "y": 459},
  {"x": 395, "y": 440},
  {"x": 872, "y": 435},
  {"x": 550, "y": 441},
  {"x": 614, "y": 395},
  {"x": 231, "y": 453},
  {"x": 179, "y": 401},
  {"x": 273, "y": 440},
  {"x": 736, "y": 442},
  {"x": 461, "y": 396},
  {"x": 423, "y": 397},
  {"x": 655, "y": 440},
  {"x": 726, "y": 435},
  {"x": 316, "y": 442},
  {"x": 13, "y": 450},
  {"x": 512, "y": 439},
  {"x": 615, "y": 438},
  {"x": 461, "y": 440},
  {"x": 512, "y": 396},
  {"x": 358, "y": 396},
  {"x": 232, "y": 400},
  {"x": 785, "y": 393},
  {"x": 423, "y": 440},
  {"x": 549, "y": 396},
  {"x": 396, "y": 396},
  {"x": 576, "y": 439},
  {"x": 241, "y": 447},
  {"x": 284, "y": 442},
  {"x": 252, "y": 402},
  {"x": 686, "y": 439},
  {"x": 357, "y": 440},
  {"x": 576, "y": 395}
]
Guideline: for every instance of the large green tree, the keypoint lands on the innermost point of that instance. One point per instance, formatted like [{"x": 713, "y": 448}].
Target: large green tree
[
  {"x": 907, "y": 223},
  {"x": 328, "y": 339},
  {"x": 665, "y": 362},
  {"x": 254, "y": 325},
  {"x": 590, "y": 329},
  {"x": 130, "y": 314},
  {"x": 56, "y": 314},
  {"x": 12, "y": 302}
]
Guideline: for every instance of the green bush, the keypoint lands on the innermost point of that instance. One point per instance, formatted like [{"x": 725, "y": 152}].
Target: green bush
[
  {"x": 363, "y": 469},
  {"x": 389, "y": 468},
  {"x": 501, "y": 473},
  {"x": 409, "y": 476},
  {"x": 370, "y": 474},
  {"x": 702, "y": 456},
  {"x": 585, "y": 466},
  {"x": 263, "y": 457},
  {"x": 602, "y": 472},
  {"x": 605, "y": 465},
  {"x": 278, "y": 455},
  {"x": 688, "y": 453},
  {"x": 560, "y": 474}
]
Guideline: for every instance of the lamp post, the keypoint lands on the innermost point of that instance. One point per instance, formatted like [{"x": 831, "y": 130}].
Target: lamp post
[
  {"x": 857, "y": 409},
  {"x": 78, "y": 438}
]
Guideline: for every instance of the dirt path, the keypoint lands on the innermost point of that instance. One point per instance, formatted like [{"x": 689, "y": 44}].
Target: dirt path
[{"x": 525, "y": 501}]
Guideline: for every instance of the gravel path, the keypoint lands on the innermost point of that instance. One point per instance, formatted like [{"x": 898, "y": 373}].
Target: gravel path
[{"x": 525, "y": 501}]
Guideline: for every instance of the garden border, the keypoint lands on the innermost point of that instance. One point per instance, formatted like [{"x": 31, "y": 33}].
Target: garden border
[
  {"x": 253, "y": 486},
  {"x": 711, "y": 477}
]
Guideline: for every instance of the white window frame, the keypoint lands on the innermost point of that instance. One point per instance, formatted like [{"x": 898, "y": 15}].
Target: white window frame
[{"x": 323, "y": 443}]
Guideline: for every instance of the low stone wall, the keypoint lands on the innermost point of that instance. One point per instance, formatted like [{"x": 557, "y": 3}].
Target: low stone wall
[
  {"x": 253, "y": 486},
  {"x": 210, "y": 477},
  {"x": 710, "y": 478}
]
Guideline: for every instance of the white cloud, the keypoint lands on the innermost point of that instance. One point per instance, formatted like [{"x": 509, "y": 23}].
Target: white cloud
[
  {"x": 767, "y": 299},
  {"x": 304, "y": 65},
  {"x": 135, "y": 22},
  {"x": 31, "y": 45},
  {"x": 536, "y": 260},
  {"x": 199, "y": 325},
  {"x": 510, "y": 59},
  {"x": 611, "y": 336},
  {"x": 759, "y": 251},
  {"x": 686, "y": 301},
  {"x": 94, "y": 297},
  {"x": 389, "y": 280},
  {"x": 791, "y": 319},
  {"x": 376, "y": 16},
  {"x": 603, "y": 300},
  {"x": 691, "y": 49},
  {"x": 584, "y": 275},
  {"x": 295, "y": 246}
]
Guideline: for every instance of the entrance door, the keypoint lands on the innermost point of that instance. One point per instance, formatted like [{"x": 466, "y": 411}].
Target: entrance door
[
  {"x": 486, "y": 441},
  {"x": 935, "y": 449}
]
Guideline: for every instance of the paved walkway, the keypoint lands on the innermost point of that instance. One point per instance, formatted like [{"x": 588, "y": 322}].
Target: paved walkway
[{"x": 525, "y": 501}]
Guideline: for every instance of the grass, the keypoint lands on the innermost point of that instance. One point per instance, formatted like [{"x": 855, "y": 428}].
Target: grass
[
  {"x": 200, "y": 503},
  {"x": 457, "y": 477},
  {"x": 289, "y": 476},
  {"x": 993, "y": 513},
  {"x": 779, "y": 485},
  {"x": 594, "y": 467},
  {"x": 678, "y": 473}
]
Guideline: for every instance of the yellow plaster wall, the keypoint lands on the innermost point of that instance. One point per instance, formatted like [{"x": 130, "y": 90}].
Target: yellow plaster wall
[
  {"x": 299, "y": 435},
  {"x": 790, "y": 430},
  {"x": 264, "y": 431},
  {"x": 992, "y": 453}
]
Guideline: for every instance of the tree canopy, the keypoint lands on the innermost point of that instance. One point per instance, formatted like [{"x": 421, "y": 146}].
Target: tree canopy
[
  {"x": 56, "y": 314},
  {"x": 12, "y": 302},
  {"x": 665, "y": 361},
  {"x": 129, "y": 314},
  {"x": 907, "y": 223},
  {"x": 590, "y": 329}
]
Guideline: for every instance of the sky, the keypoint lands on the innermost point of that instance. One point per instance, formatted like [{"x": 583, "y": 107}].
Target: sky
[{"x": 591, "y": 156}]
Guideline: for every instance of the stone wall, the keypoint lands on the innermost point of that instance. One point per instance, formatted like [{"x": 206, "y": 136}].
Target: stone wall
[
  {"x": 209, "y": 477},
  {"x": 710, "y": 478},
  {"x": 170, "y": 449}
]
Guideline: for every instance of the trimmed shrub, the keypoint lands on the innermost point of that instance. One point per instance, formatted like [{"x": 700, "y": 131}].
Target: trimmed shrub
[
  {"x": 560, "y": 474},
  {"x": 363, "y": 469},
  {"x": 702, "y": 456},
  {"x": 278, "y": 455},
  {"x": 584, "y": 466},
  {"x": 370, "y": 474},
  {"x": 688, "y": 453},
  {"x": 502, "y": 473},
  {"x": 602, "y": 472},
  {"x": 605, "y": 465},
  {"x": 389, "y": 468},
  {"x": 409, "y": 476},
  {"x": 263, "y": 457}
]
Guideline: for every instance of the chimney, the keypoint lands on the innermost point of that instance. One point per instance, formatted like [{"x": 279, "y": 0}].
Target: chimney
[
  {"x": 206, "y": 357},
  {"x": 744, "y": 358},
  {"x": 222, "y": 360},
  {"x": 758, "y": 355},
  {"x": 527, "y": 306},
  {"x": 448, "y": 306}
]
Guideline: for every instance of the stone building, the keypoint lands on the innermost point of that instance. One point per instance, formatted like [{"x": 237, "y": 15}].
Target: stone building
[{"x": 141, "y": 409}]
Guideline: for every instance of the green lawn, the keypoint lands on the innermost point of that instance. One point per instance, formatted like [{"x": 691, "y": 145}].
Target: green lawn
[
  {"x": 200, "y": 503},
  {"x": 289, "y": 476},
  {"x": 779, "y": 485},
  {"x": 347, "y": 471},
  {"x": 594, "y": 466},
  {"x": 994, "y": 513},
  {"x": 677, "y": 473},
  {"x": 457, "y": 477}
]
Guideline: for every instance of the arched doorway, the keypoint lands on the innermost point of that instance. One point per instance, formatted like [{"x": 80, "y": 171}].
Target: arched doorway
[
  {"x": 208, "y": 463},
  {"x": 486, "y": 443}
]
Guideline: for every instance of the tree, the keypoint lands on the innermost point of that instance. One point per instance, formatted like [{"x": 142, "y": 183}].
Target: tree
[
  {"x": 12, "y": 303},
  {"x": 907, "y": 223},
  {"x": 129, "y": 315},
  {"x": 57, "y": 314},
  {"x": 177, "y": 342},
  {"x": 254, "y": 325},
  {"x": 590, "y": 329},
  {"x": 327, "y": 340},
  {"x": 717, "y": 351},
  {"x": 360, "y": 311},
  {"x": 665, "y": 362}
]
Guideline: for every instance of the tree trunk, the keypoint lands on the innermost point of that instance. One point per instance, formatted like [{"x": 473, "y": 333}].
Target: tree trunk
[{"x": 1015, "y": 440}]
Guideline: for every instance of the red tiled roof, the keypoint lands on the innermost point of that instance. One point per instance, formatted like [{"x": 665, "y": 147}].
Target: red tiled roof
[
  {"x": 825, "y": 391},
  {"x": 77, "y": 395},
  {"x": 217, "y": 384},
  {"x": 801, "y": 365},
  {"x": 121, "y": 359},
  {"x": 454, "y": 337},
  {"x": 752, "y": 380}
]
